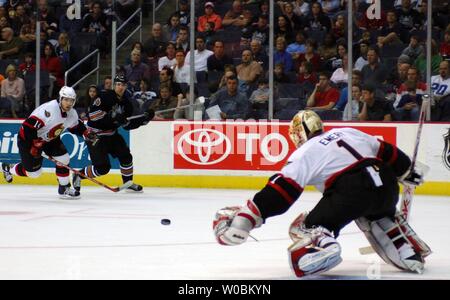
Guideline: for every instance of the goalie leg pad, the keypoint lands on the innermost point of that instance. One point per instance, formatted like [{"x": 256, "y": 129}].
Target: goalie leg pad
[
  {"x": 388, "y": 241},
  {"x": 315, "y": 252},
  {"x": 416, "y": 242}
]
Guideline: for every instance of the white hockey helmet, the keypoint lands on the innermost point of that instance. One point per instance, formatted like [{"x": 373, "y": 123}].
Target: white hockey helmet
[
  {"x": 304, "y": 124},
  {"x": 67, "y": 92}
]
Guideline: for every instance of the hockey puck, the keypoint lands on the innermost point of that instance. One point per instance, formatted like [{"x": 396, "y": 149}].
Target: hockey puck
[{"x": 165, "y": 221}]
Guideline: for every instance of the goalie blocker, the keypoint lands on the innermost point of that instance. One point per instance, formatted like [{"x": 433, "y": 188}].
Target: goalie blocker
[{"x": 358, "y": 175}]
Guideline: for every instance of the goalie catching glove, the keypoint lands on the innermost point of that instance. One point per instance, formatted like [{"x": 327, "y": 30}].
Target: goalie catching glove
[{"x": 232, "y": 225}]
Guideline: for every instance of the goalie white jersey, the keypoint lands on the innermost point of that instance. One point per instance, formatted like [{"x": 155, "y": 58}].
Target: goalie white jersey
[
  {"x": 50, "y": 121},
  {"x": 321, "y": 159}
]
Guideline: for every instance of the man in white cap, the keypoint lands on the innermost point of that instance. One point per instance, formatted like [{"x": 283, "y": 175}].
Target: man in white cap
[{"x": 209, "y": 16}]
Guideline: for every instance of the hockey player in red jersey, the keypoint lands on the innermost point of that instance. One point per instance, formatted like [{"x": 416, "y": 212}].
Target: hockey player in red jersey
[
  {"x": 41, "y": 133},
  {"x": 358, "y": 175}
]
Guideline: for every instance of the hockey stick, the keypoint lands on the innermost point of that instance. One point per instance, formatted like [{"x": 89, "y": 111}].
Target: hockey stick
[
  {"x": 408, "y": 190},
  {"x": 112, "y": 189}
]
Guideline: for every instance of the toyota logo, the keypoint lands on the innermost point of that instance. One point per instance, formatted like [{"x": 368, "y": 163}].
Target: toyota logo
[{"x": 207, "y": 140}]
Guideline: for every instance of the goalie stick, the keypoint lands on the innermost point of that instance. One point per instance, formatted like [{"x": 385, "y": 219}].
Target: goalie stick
[
  {"x": 112, "y": 189},
  {"x": 408, "y": 190}
]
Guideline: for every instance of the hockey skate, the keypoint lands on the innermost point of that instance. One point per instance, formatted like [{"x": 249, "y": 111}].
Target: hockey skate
[
  {"x": 65, "y": 192},
  {"x": 135, "y": 188},
  {"x": 76, "y": 182},
  {"x": 6, "y": 169}
]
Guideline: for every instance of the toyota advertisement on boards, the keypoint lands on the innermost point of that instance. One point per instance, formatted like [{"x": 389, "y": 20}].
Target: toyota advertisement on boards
[{"x": 242, "y": 145}]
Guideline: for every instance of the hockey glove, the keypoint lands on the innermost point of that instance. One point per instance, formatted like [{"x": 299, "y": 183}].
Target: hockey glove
[
  {"x": 232, "y": 225},
  {"x": 36, "y": 148},
  {"x": 90, "y": 136},
  {"x": 118, "y": 119}
]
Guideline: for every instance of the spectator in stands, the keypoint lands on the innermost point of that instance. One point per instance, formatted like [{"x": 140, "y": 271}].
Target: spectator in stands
[
  {"x": 165, "y": 101},
  {"x": 143, "y": 98},
  {"x": 234, "y": 16},
  {"x": 340, "y": 75},
  {"x": 182, "y": 40},
  {"x": 95, "y": 21},
  {"x": 169, "y": 59},
  {"x": 181, "y": 69},
  {"x": 209, "y": 16},
  {"x": 279, "y": 75},
  {"x": 362, "y": 59},
  {"x": 413, "y": 76},
  {"x": 155, "y": 46},
  {"x": 414, "y": 49},
  {"x": 324, "y": 96},
  {"x": 301, "y": 8},
  {"x": 408, "y": 108},
  {"x": 83, "y": 104},
  {"x": 343, "y": 98},
  {"x": 298, "y": 47},
  {"x": 28, "y": 65},
  {"x": 306, "y": 73},
  {"x": 399, "y": 76},
  {"x": 444, "y": 50},
  {"x": 201, "y": 55},
  {"x": 47, "y": 18},
  {"x": 287, "y": 8},
  {"x": 282, "y": 56},
  {"x": 440, "y": 86},
  {"x": 248, "y": 72},
  {"x": 261, "y": 30},
  {"x": 52, "y": 64},
  {"x": 171, "y": 29},
  {"x": 263, "y": 7},
  {"x": 317, "y": 20},
  {"x": 232, "y": 103},
  {"x": 230, "y": 71},
  {"x": 259, "y": 54},
  {"x": 184, "y": 13},
  {"x": 28, "y": 35},
  {"x": 259, "y": 100},
  {"x": 355, "y": 106},
  {"x": 374, "y": 109},
  {"x": 138, "y": 46},
  {"x": 328, "y": 49},
  {"x": 330, "y": 7},
  {"x": 12, "y": 91},
  {"x": 219, "y": 59},
  {"x": 340, "y": 27},
  {"x": 421, "y": 61},
  {"x": 284, "y": 29},
  {"x": 107, "y": 84},
  {"x": 167, "y": 77},
  {"x": 208, "y": 34},
  {"x": 310, "y": 55},
  {"x": 246, "y": 29},
  {"x": 393, "y": 32},
  {"x": 4, "y": 24},
  {"x": 336, "y": 62},
  {"x": 136, "y": 70},
  {"x": 12, "y": 46},
  {"x": 374, "y": 71},
  {"x": 408, "y": 17},
  {"x": 64, "y": 50}
]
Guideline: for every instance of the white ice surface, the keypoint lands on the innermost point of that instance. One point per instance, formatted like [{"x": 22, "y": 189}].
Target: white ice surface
[{"x": 120, "y": 236}]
